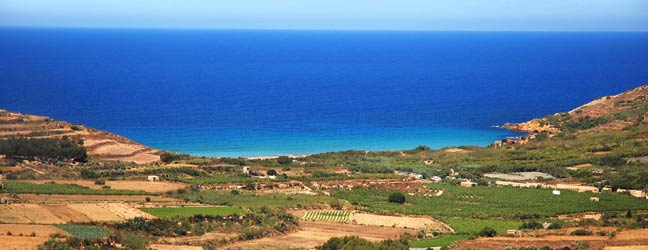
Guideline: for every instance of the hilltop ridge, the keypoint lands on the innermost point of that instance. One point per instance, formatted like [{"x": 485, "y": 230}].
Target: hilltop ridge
[{"x": 99, "y": 144}]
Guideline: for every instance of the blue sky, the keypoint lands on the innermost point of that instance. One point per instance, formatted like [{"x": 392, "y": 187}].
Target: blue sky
[{"x": 529, "y": 15}]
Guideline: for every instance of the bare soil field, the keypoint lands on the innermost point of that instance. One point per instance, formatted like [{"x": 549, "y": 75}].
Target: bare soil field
[
  {"x": 173, "y": 247},
  {"x": 625, "y": 240},
  {"x": 67, "y": 214},
  {"x": 27, "y": 213},
  {"x": 148, "y": 186},
  {"x": 108, "y": 211},
  {"x": 399, "y": 221},
  {"x": 312, "y": 234},
  {"x": 197, "y": 240},
  {"x": 26, "y": 230},
  {"x": 77, "y": 198},
  {"x": 21, "y": 242}
]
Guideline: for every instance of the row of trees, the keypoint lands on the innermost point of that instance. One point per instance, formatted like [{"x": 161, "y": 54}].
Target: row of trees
[{"x": 49, "y": 149}]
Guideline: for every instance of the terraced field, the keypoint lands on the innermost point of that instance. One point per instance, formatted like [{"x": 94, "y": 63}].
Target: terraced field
[{"x": 328, "y": 215}]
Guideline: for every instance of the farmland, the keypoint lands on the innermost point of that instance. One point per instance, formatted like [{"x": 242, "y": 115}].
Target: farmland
[
  {"x": 489, "y": 202},
  {"x": 84, "y": 231},
  {"x": 188, "y": 211},
  {"x": 328, "y": 215},
  {"x": 55, "y": 188},
  {"x": 441, "y": 241}
]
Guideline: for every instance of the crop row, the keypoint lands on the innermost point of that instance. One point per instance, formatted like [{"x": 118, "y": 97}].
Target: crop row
[{"x": 328, "y": 215}]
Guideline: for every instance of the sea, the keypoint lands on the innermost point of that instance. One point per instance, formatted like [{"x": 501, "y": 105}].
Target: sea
[{"x": 288, "y": 92}]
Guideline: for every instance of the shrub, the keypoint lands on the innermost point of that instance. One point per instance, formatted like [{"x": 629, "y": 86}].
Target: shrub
[
  {"x": 396, "y": 197},
  {"x": 133, "y": 242},
  {"x": 272, "y": 172},
  {"x": 581, "y": 232},
  {"x": 487, "y": 232},
  {"x": 284, "y": 160},
  {"x": 100, "y": 182}
]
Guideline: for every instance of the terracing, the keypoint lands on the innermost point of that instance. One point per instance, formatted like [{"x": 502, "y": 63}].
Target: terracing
[{"x": 98, "y": 143}]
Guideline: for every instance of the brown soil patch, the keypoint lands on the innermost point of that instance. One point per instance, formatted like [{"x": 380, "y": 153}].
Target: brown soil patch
[
  {"x": 632, "y": 234},
  {"x": 108, "y": 211},
  {"x": 643, "y": 247},
  {"x": 67, "y": 214},
  {"x": 78, "y": 198},
  {"x": 173, "y": 247},
  {"x": 148, "y": 186},
  {"x": 27, "y": 213},
  {"x": 21, "y": 242},
  {"x": 312, "y": 234},
  {"x": 26, "y": 230},
  {"x": 399, "y": 221},
  {"x": 197, "y": 240},
  {"x": 456, "y": 150}
]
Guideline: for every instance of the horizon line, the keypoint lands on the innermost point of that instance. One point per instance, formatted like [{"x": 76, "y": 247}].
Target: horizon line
[{"x": 308, "y": 29}]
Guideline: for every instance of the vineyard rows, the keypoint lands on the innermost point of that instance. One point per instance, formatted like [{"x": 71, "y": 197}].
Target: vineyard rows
[{"x": 328, "y": 215}]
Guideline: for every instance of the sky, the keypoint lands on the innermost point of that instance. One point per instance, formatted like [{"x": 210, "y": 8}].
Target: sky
[{"x": 481, "y": 15}]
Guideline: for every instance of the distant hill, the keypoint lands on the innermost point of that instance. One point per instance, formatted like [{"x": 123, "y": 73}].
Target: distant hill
[
  {"x": 608, "y": 113},
  {"x": 99, "y": 144}
]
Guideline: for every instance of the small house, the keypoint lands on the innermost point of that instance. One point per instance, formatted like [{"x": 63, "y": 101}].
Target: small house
[
  {"x": 247, "y": 170},
  {"x": 468, "y": 184},
  {"x": 153, "y": 178},
  {"x": 555, "y": 192},
  {"x": 2, "y": 177},
  {"x": 4, "y": 200},
  {"x": 594, "y": 199}
]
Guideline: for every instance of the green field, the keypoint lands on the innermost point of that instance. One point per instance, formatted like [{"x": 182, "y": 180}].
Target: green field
[
  {"x": 328, "y": 215},
  {"x": 189, "y": 211},
  {"x": 84, "y": 231},
  {"x": 55, "y": 188},
  {"x": 249, "y": 200},
  {"x": 492, "y": 202},
  {"x": 444, "y": 240},
  {"x": 468, "y": 226}
]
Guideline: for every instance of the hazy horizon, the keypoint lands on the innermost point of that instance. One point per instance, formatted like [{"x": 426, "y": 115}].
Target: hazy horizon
[{"x": 416, "y": 15}]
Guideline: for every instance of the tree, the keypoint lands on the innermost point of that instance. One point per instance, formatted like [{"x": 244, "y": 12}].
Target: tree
[
  {"x": 487, "y": 232},
  {"x": 629, "y": 214},
  {"x": 397, "y": 197},
  {"x": 284, "y": 160},
  {"x": 272, "y": 172}
]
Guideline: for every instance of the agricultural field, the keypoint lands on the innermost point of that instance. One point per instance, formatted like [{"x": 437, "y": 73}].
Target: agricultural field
[
  {"x": 189, "y": 211},
  {"x": 84, "y": 231},
  {"x": 441, "y": 241},
  {"x": 20, "y": 187},
  {"x": 145, "y": 186},
  {"x": 491, "y": 202},
  {"x": 328, "y": 215},
  {"x": 256, "y": 200},
  {"x": 468, "y": 226}
]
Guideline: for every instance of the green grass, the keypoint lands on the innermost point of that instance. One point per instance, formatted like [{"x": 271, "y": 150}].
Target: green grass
[
  {"x": 55, "y": 188},
  {"x": 492, "y": 202},
  {"x": 444, "y": 240},
  {"x": 188, "y": 211},
  {"x": 84, "y": 231},
  {"x": 248, "y": 200},
  {"x": 468, "y": 226}
]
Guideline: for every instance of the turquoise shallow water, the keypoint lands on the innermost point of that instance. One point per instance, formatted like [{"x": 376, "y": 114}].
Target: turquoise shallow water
[{"x": 259, "y": 93}]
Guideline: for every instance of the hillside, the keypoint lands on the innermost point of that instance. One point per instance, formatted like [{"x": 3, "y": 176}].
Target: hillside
[
  {"x": 99, "y": 144},
  {"x": 608, "y": 113}
]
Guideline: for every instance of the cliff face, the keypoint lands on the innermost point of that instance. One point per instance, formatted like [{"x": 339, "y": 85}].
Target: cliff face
[
  {"x": 98, "y": 143},
  {"x": 607, "y": 113}
]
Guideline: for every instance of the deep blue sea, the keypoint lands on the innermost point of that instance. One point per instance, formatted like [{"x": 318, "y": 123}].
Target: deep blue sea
[{"x": 259, "y": 93}]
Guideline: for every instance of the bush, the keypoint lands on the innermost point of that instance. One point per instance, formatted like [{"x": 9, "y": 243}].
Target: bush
[
  {"x": 284, "y": 160},
  {"x": 581, "y": 232},
  {"x": 272, "y": 172},
  {"x": 133, "y": 242},
  {"x": 531, "y": 225},
  {"x": 397, "y": 197},
  {"x": 487, "y": 232},
  {"x": 49, "y": 149},
  {"x": 100, "y": 182}
]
